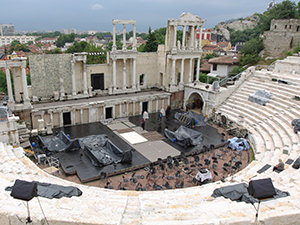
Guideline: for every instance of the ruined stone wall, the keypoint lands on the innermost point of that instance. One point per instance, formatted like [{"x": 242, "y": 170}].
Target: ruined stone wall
[
  {"x": 282, "y": 37},
  {"x": 47, "y": 70},
  {"x": 147, "y": 63}
]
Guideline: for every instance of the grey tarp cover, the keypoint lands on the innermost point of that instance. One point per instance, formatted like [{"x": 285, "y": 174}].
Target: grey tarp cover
[
  {"x": 296, "y": 125},
  {"x": 50, "y": 191},
  {"x": 184, "y": 136},
  {"x": 260, "y": 97},
  {"x": 296, "y": 164},
  {"x": 4, "y": 113},
  {"x": 191, "y": 118},
  {"x": 101, "y": 151},
  {"x": 59, "y": 143},
  {"x": 239, "y": 192},
  {"x": 238, "y": 144}
]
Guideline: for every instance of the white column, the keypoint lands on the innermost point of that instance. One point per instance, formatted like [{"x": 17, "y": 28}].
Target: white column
[
  {"x": 51, "y": 118},
  {"x": 173, "y": 72},
  {"x": 84, "y": 77},
  {"x": 182, "y": 72},
  {"x": 124, "y": 37},
  {"x": 150, "y": 106},
  {"x": 114, "y": 47},
  {"x": 193, "y": 37},
  {"x": 134, "y": 74},
  {"x": 73, "y": 116},
  {"x": 120, "y": 109},
  {"x": 156, "y": 105},
  {"x": 198, "y": 70},
  {"x": 174, "y": 37},
  {"x": 61, "y": 119},
  {"x": 200, "y": 39},
  {"x": 191, "y": 70},
  {"x": 133, "y": 108},
  {"x": 9, "y": 87},
  {"x": 73, "y": 78},
  {"x": 81, "y": 116},
  {"x": 134, "y": 38},
  {"x": 124, "y": 74},
  {"x": 183, "y": 37},
  {"x": 24, "y": 82},
  {"x": 114, "y": 74},
  {"x": 127, "y": 108}
]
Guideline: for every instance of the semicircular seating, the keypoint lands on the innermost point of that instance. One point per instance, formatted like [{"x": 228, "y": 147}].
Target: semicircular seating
[{"x": 272, "y": 137}]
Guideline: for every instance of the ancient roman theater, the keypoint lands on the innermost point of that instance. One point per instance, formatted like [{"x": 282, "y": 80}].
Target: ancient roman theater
[{"x": 70, "y": 103}]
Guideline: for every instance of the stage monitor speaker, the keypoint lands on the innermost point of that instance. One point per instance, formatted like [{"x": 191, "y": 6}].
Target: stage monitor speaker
[
  {"x": 262, "y": 188},
  {"x": 24, "y": 190}
]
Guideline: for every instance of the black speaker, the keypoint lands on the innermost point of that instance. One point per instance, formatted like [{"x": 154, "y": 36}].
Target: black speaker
[
  {"x": 262, "y": 188},
  {"x": 24, "y": 190}
]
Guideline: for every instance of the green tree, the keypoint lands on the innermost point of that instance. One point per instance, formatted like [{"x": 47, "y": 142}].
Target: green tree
[
  {"x": 65, "y": 38},
  {"x": 17, "y": 46},
  {"x": 152, "y": 42},
  {"x": 250, "y": 51},
  {"x": 97, "y": 54},
  {"x": 54, "y": 51},
  {"x": 210, "y": 56},
  {"x": 3, "y": 87},
  {"x": 118, "y": 44},
  {"x": 297, "y": 48}
]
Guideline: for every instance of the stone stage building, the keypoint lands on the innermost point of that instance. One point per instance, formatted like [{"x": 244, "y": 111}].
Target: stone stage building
[{"x": 66, "y": 91}]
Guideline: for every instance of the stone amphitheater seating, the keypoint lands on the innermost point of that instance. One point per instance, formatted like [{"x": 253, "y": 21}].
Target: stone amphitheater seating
[{"x": 270, "y": 133}]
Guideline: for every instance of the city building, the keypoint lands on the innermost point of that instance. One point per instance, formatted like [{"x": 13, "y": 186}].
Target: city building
[
  {"x": 7, "y": 29},
  {"x": 7, "y": 40}
]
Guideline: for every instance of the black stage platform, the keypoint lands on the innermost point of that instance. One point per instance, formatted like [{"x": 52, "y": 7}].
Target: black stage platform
[
  {"x": 210, "y": 134},
  {"x": 76, "y": 162}
]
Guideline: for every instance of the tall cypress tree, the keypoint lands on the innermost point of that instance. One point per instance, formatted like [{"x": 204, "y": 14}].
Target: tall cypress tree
[{"x": 152, "y": 43}]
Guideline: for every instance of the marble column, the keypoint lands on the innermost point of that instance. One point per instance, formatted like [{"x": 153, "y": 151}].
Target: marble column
[
  {"x": 156, "y": 105},
  {"x": 134, "y": 74},
  {"x": 73, "y": 116},
  {"x": 173, "y": 72},
  {"x": 114, "y": 47},
  {"x": 190, "y": 70},
  {"x": 9, "y": 87},
  {"x": 193, "y": 38},
  {"x": 134, "y": 38},
  {"x": 175, "y": 38},
  {"x": 84, "y": 78},
  {"x": 61, "y": 119},
  {"x": 114, "y": 74},
  {"x": 81, "y": 116},
  {"x": 124, "y": 37},
  {"x": 124, "y": 74},
  {"x": 133, "y": 108},
  {"x": 182, "y": 72},
  {"x": 51, "y": 118},
  {"x": 73, "y": 78},
  {"x": 200, "y": 39},
  {"x": 183, "y": 37},
  {"x": 24, "y": 83},
  {"x": 120, "y": 110},
  {"x": 198, "y": 70}
]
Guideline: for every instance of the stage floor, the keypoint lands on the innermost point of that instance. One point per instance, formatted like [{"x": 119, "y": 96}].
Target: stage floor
[{"x": 146, "y": 145}]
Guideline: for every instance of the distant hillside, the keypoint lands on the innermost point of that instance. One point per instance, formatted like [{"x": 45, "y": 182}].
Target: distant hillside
[{"x": 236, "y": 24}]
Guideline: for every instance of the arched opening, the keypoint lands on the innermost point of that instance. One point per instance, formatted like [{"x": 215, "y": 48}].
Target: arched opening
[{"x": 195, "y": 103}]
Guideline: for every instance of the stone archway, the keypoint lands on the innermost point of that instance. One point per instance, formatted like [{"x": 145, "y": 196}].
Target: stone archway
[{"x": 195, "y": 102}]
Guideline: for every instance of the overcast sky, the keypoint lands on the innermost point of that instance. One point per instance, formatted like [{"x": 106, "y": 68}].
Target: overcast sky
[{"x": 98, "y": 14}]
